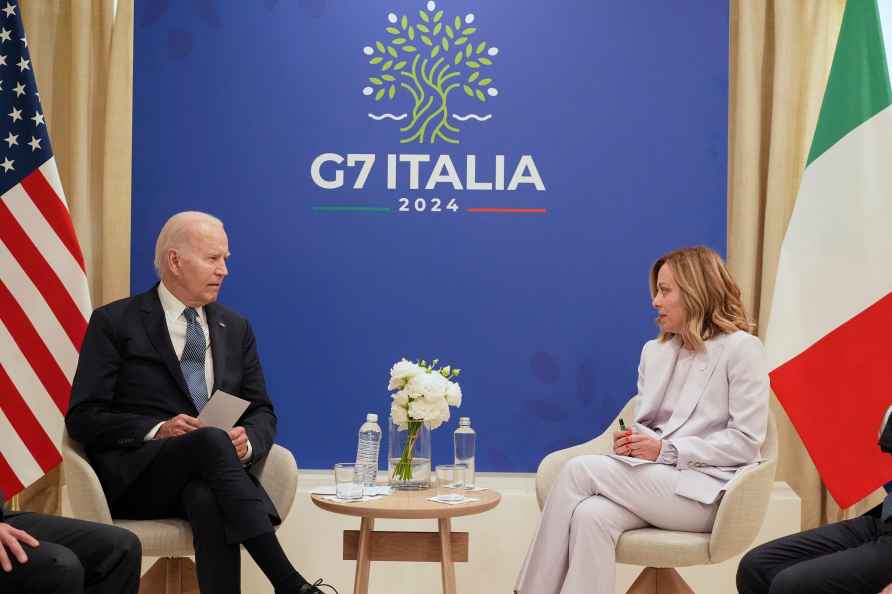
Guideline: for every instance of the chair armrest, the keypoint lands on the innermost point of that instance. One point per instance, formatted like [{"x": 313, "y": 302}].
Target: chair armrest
[
  {"x": 277, "y": 472},
  {"x": 84, "y": 489},
  {"x": 741, "y": 511},
  {"x": 603, "y": 444}
]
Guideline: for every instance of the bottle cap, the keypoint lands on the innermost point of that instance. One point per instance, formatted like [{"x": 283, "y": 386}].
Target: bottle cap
[
  {"x": 464, "y": 420},
  {"x": 371, "y": 418}
]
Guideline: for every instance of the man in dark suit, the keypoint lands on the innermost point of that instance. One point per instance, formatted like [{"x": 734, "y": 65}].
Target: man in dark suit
[
  {"x": 42, "y": 554},
  {"x": 147, "y": 367},
  {"x": 848, "y": 557}
]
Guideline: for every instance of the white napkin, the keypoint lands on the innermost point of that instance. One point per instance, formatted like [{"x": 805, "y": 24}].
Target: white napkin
[{"x": 337, "y": 499}]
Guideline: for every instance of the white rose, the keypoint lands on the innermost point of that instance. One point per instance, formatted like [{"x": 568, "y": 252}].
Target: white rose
[
  {"x": 400, "y": 416},
  {"x": 401, "y": 372},
  {"x": 429, "y": 385},
  {"x": 453, "y": 394},
  {"x": 401, "y": 398}
]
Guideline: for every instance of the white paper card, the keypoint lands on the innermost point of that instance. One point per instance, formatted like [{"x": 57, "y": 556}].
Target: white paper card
[{"x": 223, "y": 410}]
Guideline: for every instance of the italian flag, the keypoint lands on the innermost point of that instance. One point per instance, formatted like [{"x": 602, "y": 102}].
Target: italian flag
[{"x": 829, "y": 338}]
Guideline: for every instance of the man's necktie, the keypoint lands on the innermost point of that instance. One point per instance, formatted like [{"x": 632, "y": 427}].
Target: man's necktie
[{"x": 192, "y": 361}]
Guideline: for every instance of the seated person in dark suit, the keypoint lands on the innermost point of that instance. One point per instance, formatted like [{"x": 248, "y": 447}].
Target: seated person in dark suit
[
  {"x": 148, "y": 365},
  {"x": 41, "y": 554},
  {"x": 849, "y": 557}
]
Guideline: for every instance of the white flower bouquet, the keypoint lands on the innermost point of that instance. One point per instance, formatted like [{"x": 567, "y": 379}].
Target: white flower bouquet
[{"x": 422, "y": 394}]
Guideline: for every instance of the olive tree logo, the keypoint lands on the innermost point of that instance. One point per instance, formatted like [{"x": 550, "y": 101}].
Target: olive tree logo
[{"x": 429, "y": 59}]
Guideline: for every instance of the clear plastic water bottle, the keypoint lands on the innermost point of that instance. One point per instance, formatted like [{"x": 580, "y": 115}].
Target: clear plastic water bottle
[
  {"x": 367, "y": 450},
  {"x": 465, "y": 441}
]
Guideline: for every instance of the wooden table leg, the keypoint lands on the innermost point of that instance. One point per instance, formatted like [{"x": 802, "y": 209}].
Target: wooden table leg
[
  {"x": 363, "y": 557},
  {"x": 447, "y": 567}
]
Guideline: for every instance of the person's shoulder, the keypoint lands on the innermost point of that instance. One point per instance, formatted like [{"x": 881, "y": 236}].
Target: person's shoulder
[
  {"x": 227, "y": 315},
  {"x": 739, "y": 337},
  {"x": 741, "y": 344}
]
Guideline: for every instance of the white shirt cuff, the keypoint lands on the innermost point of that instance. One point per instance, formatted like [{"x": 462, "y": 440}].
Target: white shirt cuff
[{"x": 151, "y": 434}]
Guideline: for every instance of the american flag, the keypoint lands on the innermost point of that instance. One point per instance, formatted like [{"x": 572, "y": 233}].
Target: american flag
[{"x": 44, "y": 300}]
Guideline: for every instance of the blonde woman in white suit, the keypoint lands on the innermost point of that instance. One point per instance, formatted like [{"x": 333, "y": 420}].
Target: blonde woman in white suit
[{"x": 702, "y": 418}]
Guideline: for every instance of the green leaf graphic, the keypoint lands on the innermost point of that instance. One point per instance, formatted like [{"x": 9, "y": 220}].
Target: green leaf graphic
[
  {"x": 485, "y": 82},
  {"x": 457, "y": 22},
  {"x": 380, "y": 46},
  {"x": 424, "y": 16},
  {"x": 480, "y": 47},
  {"x": 469, "y": 31},
  {"x": 411, "y": 33},
  {"x": 392, "y": 52},
  {"x": 399, "y": 41},
  {"x": 468, "y": 49},
  {"x": 391, "y": 92},
  {"x": 386, "y": 65},
  {"x": 479, "y": 94},
  {"x": 409, "y": 48},
  {"x": 486, "y": 61},
  {"x": 437, "y": 28},
  {"x": 460, "y": 40},
  {"x": 392, "y": 30},
  {"x": 379, "y": 94},
  {"x": 435, "y": 51},
  {"x": 375, "y": 80},
  {"x": 468, "y": 91},
  {"x": 388, "y": 77},
  {"x": 426, "y": 40},
  {"x": 376, "y": 60},
  {"x": 445, "y": 44},
  {"x": 472, "y": 63},
  {"x": 458, "y": 57},
  {"x": 399, "y": 65},
  {"x": 423, "y": 28},
  {"x": 438, "y": 16},
  {"x": 404, "y": 22},
  {"x": 450, "y": 32},
  {"x": 474, "y": 76}
]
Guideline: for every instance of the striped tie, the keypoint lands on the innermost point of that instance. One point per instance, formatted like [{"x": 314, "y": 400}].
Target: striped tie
[{"x": 192, "y": 361}]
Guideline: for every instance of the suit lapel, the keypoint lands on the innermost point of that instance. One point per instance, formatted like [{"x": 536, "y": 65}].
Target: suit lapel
[
  {"x": 658, "y": 371},
  {"x": 701, "y": 370},
  {"x": 156, "y": 328},
  {"x": 217, "y": 330}
]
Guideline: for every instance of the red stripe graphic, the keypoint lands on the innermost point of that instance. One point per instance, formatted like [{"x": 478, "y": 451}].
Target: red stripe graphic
[
  {"x": 506, "y": 210},
  {"x": 55, "y": 213},
  {"x": 9, "y": 482},
  {"x": 39, "y": 357},
  {"x": 836, "y": 393},
  {"x": 27, "y": 426},
  {"x": 43, "y": 277}
]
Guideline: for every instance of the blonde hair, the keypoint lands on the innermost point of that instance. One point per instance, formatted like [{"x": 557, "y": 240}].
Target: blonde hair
[
  {"x": 711, "y": 297},
  {"x": 175, "y": 234}
]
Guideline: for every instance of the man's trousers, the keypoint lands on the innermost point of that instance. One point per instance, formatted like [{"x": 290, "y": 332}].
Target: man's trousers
[{"x": 74, "y": 557}]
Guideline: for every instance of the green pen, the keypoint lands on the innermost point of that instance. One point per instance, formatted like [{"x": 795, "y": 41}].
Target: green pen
[{"x": 622, "y": 424}]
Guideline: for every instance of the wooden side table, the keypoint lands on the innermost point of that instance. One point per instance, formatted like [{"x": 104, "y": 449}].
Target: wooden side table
[{"x": 445, "y": 546}]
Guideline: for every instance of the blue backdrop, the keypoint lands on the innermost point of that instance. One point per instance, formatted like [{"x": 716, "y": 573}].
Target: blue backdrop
[{"x": 610, "y": 117}]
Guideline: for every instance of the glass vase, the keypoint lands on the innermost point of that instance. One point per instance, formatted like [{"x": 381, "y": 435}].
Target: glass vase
[{"x": 409, "y": 456}]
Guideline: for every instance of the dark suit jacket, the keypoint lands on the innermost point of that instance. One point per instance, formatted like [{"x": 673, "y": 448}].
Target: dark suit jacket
[{"x": 128, "y": 380}]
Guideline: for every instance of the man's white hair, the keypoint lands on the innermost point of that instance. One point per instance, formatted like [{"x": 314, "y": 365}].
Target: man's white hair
[{"x": 175, "y": 232}]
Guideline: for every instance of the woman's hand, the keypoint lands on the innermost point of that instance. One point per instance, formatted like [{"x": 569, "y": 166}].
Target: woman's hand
[{"x": 636, "y": 445}]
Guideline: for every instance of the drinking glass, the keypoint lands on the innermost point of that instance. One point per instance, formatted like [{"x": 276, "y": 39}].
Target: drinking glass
[
  {"x": 348, "y": 484},
  {"x": 450, "y": 482}
]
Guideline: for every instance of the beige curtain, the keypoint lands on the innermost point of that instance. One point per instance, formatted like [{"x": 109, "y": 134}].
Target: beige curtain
[
  {"x": 82, "y": 54},
  {"x": 780, "y": 57}
]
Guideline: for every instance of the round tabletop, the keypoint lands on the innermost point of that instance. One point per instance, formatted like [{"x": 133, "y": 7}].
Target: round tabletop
[{"x": 412, "y": 505}]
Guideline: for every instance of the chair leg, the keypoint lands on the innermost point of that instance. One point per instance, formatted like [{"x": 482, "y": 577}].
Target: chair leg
[
  {"x": 659, "y": 580},
  {"x": 170, "y": 575}
]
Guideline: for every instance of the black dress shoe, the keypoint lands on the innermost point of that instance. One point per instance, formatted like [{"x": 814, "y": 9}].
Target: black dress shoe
[{"x": 313, "y": 588}]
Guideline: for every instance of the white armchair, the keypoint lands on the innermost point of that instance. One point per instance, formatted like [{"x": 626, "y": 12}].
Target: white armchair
[
  {"x": 170, "y": 539},
  {"x": 738, "y": 520}
]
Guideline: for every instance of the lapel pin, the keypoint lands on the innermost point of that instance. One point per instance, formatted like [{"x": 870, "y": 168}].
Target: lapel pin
[{"x": 221, "y": 324}]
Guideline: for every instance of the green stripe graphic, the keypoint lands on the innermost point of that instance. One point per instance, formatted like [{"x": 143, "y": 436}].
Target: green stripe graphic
[{"x": 858, "y": 87}]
